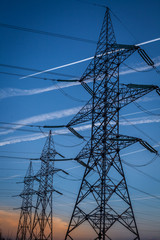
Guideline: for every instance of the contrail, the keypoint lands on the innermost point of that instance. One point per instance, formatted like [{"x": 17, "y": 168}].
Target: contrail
[
  {"x": 15, "y": 92},
  {"x": 147, "y": 42},
  {"x": 71, "y": 111},
  {"x": 80, "y": 61},
  {"x": 43, "y": 117},
  {"x": 55, "y": 68},
  {"x": 33, "y": 137}
]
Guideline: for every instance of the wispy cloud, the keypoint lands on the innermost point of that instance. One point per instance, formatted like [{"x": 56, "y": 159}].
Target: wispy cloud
[
  {"x": 37, "y": 136},
  {"x": 139, "y": 68},
  {"x": 33, "y": 137},
  {"x": 43, "y": 117},
  {"x": 140, "y": 120},
  {"x": 10, "y": 177},
  {"x": 15, "y": 92}
]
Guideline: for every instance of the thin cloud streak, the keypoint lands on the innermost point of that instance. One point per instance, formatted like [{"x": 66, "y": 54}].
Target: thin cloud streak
[
  {"x": 33, "y": 137},
  {"x": 44, "y": 117},
  {"x": 72, "y": 111},
  {"x": 10, "y": 177},
  {"x": 139, "y": 69},
  {"x": 15, "y": 92},
  {"x": 140, "y": 120}
]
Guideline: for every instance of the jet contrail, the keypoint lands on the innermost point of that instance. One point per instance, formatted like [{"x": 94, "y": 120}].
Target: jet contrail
[
  {"x": 33, "y": 137},
  {"x": 14, "y": 92},
  {"x": 154, "y": 40},
  {"x": 55, "y": 68},
  {"x": 82, "y": 60}
]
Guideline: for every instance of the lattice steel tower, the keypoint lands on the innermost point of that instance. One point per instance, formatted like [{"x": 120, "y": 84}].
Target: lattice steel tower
[
  {"x": 25, "y": 220},
  {"x": 103, "y": 201},
  {"x": 42, "y": 228}
]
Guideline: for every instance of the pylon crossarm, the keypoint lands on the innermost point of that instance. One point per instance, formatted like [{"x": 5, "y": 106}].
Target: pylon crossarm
[
  {"x": 125, "y": 141},
  {"x": 127, "y": 94},
  {"x": 122, "y": 141},
  {"x": 114, "y": 53},
  {"x": 131, "y": 92}
]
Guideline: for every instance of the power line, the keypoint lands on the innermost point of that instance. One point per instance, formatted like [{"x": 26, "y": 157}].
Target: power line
[
  {"x": 20, "y": 75},
  {"x": 137, "y": 70},
  {"x": 68, "y": 95},
  {"x": 144, "y": 173},
  {"x": 141, "y": 191},
  {"x": 82, "y": 60},
  {"x": 146, "y": 193},
  {"x": 145, "y": 110},
  {"x": 141, "y": 165},
  {"x": 21, "y": 124},
  {"x": 140, "y": 130},
  {"x": 24, "y": 158},
  {"x": 18, "y": 129},
  {"x": 124, "y": 25},
  {"x": 47, "y": 33},
  {"x": 35, "y": 70},
  {"x": 30, "y": 125}
]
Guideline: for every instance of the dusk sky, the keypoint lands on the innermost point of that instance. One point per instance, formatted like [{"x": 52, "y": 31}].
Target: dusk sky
[{"x": 38, "y": 100}]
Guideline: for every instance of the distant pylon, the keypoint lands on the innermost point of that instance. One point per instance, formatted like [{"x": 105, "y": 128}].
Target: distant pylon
[
  {"x": 42, "y": 228},
  {"x": 25, "y": 220},
  {"x": 103, "y": 208}
]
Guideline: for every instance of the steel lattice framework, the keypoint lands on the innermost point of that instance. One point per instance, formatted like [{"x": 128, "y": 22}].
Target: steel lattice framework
[
  {"x": 25, "y": 220},
  {"x": 42, "y": 228},
  {"x": 104, "y": 181}
]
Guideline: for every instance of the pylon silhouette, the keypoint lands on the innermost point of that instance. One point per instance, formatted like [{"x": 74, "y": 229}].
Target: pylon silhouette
[
  {"x": 25, "y": 220},
  {"x": 103, "y": 203},
  {"x": 42, "y": 228}
]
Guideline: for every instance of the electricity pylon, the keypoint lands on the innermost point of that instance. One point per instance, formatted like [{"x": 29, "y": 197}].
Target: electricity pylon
[
  {"x": 103, "y": 202},
  {"x": 25, "y": 220},
  {"x": 42, "y": 228}
]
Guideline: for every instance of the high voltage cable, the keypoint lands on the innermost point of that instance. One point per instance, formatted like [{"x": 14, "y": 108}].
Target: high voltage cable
[
  {"x": 144, "y": 173},
  {"x": 124, "y": 25},
  {"x": 20, "y": 124},
  {"x": 139, "y": 190},
  {"x": 137, "y": 70},
  {"x": 46, "y": 33},
  {"x": 68, "y": 95},
  {"x": 83, "y": 60},
  {"x": 35, "y": 70},
  {"x": 145, "y": 110},
  {"x": 21, "y": 75},
  {"x": 140, "y": 130},
  {"x": 30, "y": 125},
  {"x": 37, "y": 159},
  {"x": 140, "y": 165},
  {"x": 22, "y": 130}
]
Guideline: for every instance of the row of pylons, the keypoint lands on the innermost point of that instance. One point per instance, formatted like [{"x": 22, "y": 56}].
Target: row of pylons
[{"x": 103, "y": 182}]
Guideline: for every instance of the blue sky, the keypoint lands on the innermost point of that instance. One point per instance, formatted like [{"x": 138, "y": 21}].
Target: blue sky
[{"x": 38, "y": 101}]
